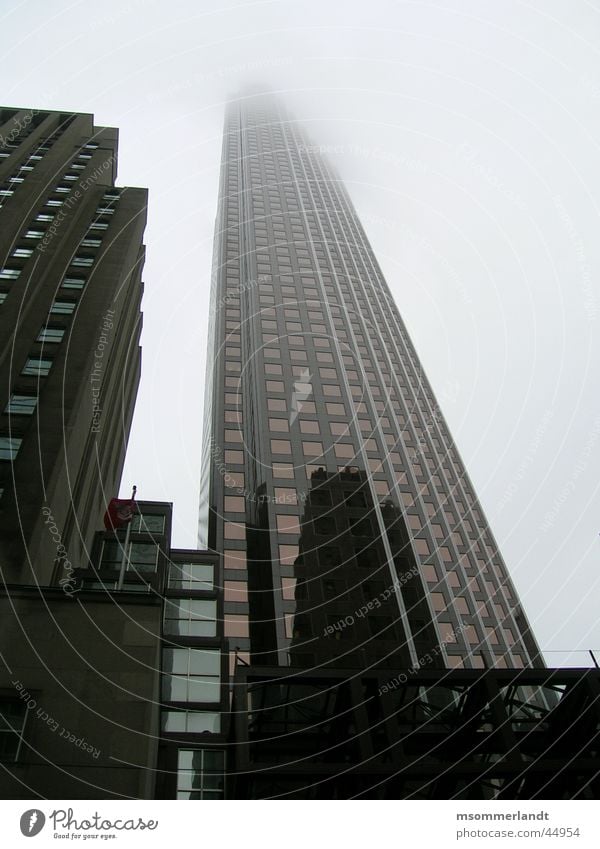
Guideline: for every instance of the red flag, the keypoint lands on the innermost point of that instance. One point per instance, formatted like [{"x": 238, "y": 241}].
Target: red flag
[{"x": 120, "y": 512}]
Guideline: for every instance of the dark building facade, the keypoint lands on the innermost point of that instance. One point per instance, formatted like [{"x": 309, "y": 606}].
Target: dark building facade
[
  {"x": 71, "y": 257},
  {"x": 117, "y": 693}
]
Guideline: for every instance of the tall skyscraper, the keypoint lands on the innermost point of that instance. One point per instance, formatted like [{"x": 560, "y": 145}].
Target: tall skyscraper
[
  {"x": 377, "y": 643},
  {"x": 71, "y": 257},
  {"x": 351, "y": 532}
]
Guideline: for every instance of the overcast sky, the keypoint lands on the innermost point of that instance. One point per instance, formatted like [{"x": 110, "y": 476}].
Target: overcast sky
[{"x": 468, "y": 136}]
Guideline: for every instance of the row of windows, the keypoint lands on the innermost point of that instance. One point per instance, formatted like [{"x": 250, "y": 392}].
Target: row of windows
[
  {"x": 40, "y": 365},
  {"x": 7, "y": 189}
]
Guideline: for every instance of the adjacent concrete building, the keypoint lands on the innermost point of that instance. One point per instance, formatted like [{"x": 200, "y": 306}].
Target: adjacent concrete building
[{"x": 71, "y": 258}]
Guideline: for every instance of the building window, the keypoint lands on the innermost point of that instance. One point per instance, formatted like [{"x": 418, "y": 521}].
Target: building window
[
  {"x": 234, "y": 504},
  {"x": 21, "y": 405},
  {"x": 50, "y": 334},
  {"x": 200, "y": 773},
  {"x": 153, "y": 523},
  {"x": 37, "y": 366},
  {"x": 309, "y": 427},
  {"x": 281, "y": 446},
  {"x": 236, "y": 591},
  {"x": 234, "y": 530},
  {"x": 234, "y": 480},
  {"x": 288, "y": 524},
  {"x": 62, "y": 307},
  {"x": 142, "y": 556},
  {"x": 191, "y": 675},
  {"x": 232, "y": 456},
  {"x": 285, "y": 495},
  {"x": 234, "y": 559},
  {"x": 190, "y": 721},
  {"x": 439, "y": 602},
  {"x": 191, "y": 576},
  {"x": 288, "y": 554},
  {"x": 13, "y": 714},
  {"x": 312, "y": 449},
  {"x": 191, "y": 617},
  {"x": 236, "y": 626},
  {"x": 73, "y": 282},
  {"x": 288, "y": 588},
  {"x": 9, "y": 447},
  {"x": 283, "y": 470}
]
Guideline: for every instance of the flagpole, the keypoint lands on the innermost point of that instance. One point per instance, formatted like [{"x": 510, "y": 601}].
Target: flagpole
[{"x": 126, "y": 547}]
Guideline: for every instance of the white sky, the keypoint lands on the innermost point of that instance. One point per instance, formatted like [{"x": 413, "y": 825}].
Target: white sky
[{"x": 467, "y": 134}]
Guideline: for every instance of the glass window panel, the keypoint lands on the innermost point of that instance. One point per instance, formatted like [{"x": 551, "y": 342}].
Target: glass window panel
[
  {"x": 285, "y": 495},
  {"x": 283, "y": 470},
  {"x": 191, "y": 576},
  {"x": 9, "y": 447},
  {"x": 50, "y": 334},
  {"x": 236, "y": 626},
  {"x": 234, "y": 559},
  {"x": 191, "y": 617},
  {"x": 235, "y": 504},
  {"x": 233, "y": 530},
  {"x": 281, "y": 446},
  {"x": 71, "y": 282},
  {"x": 309, "y": 427},
  {"x": 234, "y": 457},
  {"x": 203, "y": 689},
  {"x": 236, "y": 591},
  {"x": 148, "y": 522},
  {"x": 288, "y": 524},
  {"x": 143, "y": 556},
  {"x": 312, "y": 449},
  {"x": 37, "y": 366},
  {"x": 21, "y": 405}
]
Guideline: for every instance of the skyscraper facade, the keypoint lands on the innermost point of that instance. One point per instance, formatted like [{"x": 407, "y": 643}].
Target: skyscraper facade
[
  {"x": 352, "y": 535},
  {"x": 71, "y": 257}
]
